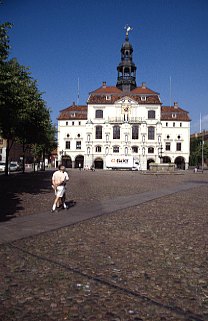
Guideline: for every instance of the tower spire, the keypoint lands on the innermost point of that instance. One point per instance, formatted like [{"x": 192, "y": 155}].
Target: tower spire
[{"x": 126, "y": 80}]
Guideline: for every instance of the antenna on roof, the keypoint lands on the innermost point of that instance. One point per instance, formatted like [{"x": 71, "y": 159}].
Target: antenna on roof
[
  {"x": 170, "y": 92},
  {"x": 78, "y": 92}
]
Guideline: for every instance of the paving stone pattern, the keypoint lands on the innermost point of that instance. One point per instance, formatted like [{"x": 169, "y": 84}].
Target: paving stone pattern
[{"x": 144, "y": 262}]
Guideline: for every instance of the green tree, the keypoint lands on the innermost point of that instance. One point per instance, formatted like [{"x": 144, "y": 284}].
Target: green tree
[
  {"x": 196, "y": 151},
  {"x": 24, "y": 116},
  {"x": 4, "y": 41}
]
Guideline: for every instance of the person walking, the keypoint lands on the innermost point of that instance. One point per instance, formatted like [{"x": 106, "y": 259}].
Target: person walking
[{"x": 58, "y": 183}]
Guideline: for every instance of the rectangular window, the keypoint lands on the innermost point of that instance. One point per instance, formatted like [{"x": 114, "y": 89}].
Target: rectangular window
[
  {"x": 166, "y": 124},
  {"x": 79, "y": 123},
  {"x": 66, "y": 123},
  {"x": 73, "y": 123},
  {"x": 67, "y": 144},
  {"x": 134, "y": 149},
  {"x": 167, "y": 146},
  {"x": 98, "y": 132},
  {"x": 178, "y": 147},
  {"x": 1, "y": 141},
  {"x": 115, "y": 149},
  {"x": 78, "y": 145},
  {"x": 151, "y": 114},
  {"x": 116, "y": 132},
  {"x": 0, "y": 150},
  {"x": 98, "y": 113},
  {"x": 151, "y": 133},
  {"x": 135, "y": 132},
  {"x": 173, "y": 124}
]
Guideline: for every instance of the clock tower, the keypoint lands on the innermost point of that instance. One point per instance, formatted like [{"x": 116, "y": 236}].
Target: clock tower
[{"x": 126, "y": 80}]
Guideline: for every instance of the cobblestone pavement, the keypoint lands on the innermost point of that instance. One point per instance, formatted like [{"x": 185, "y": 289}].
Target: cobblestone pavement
[{"x": 147, "y": 262}]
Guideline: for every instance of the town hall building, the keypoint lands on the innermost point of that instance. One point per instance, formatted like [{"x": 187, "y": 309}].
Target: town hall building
[{"x": 124, "y": 120}]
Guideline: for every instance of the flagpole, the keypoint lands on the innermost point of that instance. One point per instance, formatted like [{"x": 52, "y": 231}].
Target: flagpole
[
  {"x": 78, "y": 92},
  {"x": 200, "y": 123}
]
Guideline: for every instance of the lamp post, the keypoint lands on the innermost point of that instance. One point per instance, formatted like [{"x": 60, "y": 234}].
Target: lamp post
[{"x": 160, "y": 152}]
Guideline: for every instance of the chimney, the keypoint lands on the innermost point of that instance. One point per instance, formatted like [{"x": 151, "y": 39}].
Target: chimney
[
  {"x": 143, "y": 84},
  {"x": 175, "y": 105},
  {"x": 104, "y": 84}
]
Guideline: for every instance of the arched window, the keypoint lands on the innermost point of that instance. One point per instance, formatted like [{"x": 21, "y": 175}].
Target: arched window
[
  {"x": 151, "y": 133},
  {"x": 116, "y": 132},
  {"x": 98, "y": 132},
  {"x": 98, "y": 149},
  {"x": 151, "y": 114},
  {"x": 99, "y": 113},
  {"x": 135, "y": 132},
  {"x": 150, "y": 150}
]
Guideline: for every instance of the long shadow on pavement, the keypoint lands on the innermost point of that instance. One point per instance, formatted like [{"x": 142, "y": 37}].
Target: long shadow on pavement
[{"x": 15, "y": 185}]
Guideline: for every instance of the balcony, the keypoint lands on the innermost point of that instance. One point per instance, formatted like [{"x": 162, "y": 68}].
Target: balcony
[{"x": 120, "y": 120}]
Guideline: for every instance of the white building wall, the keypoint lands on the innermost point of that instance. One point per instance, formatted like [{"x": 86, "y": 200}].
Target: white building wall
[
  {"x": 113, "y": 114},
  {"x": 176, "y": 132}
]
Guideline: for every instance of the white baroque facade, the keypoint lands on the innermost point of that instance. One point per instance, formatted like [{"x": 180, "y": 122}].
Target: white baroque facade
[{"x": 124, "y": 120}]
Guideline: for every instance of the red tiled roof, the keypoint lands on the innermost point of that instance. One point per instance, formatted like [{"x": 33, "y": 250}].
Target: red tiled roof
[
  {"x": 107, "y": 90},
  {"x": 101, "y": 99},
  {"x": 174, "y": 113},
  {"x": 73, "y": 112},
  {"x": 110, "y": 94},
  {"x": 143, "y": 91}
]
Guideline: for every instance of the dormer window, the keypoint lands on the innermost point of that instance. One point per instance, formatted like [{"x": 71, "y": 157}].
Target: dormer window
[
  {"x": 173, "y": 115},
  {"x": 108, "y": 97},
  {"x": 143, "y": 98}
]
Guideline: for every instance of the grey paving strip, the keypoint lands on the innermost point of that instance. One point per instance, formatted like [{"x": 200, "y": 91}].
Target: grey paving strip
[{"x": 21, "y": 227}]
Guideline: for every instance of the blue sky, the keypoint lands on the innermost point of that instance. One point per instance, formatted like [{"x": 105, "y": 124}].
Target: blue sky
[{"x": 66, "y": 40}]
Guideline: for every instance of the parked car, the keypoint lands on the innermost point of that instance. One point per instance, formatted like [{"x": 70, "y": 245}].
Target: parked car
[
  {"x": 14, "y": 166},
  {"x": 2, "y": 166}
]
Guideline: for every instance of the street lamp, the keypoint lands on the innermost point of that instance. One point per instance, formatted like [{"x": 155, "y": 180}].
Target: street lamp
[{"x": 160, "y": 152}]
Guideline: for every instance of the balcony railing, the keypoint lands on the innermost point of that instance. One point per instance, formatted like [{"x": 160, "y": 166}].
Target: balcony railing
[{"x": 120, "y": 120}]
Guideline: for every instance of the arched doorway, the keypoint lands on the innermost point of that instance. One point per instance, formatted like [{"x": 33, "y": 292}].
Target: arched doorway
[
  {"x": 98, "y": 162},
  {"x": 180, "y": 162},
  {"x": 148, "y": 162},
  {"x": 66, "y": 161},
  {"x": 79, "y": 160},
  {"x": 166, "y": 160}
]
